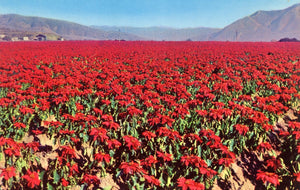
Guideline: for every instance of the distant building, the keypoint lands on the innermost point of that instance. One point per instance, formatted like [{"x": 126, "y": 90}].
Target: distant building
[
  {"x": 61, "y": 39},
  {"x": 41, "y": 37},
  {"x": 289, "y": 40},
  {"x": 25, "y": 38},
  {"x": 6, "y": 38},
  {"x": 14, "y": 39},
  {"x": 2, "y": 36}
]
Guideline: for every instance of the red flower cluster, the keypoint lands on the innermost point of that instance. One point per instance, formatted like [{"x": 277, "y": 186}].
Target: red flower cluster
[{"x": 140, "y": 110}]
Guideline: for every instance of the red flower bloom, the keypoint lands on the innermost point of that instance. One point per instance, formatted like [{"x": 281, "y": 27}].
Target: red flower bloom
[
  {"x": 73, "y": 168},
  {"x": 192, "y": 137},
  {"x": 90, "y": 179},
  {"x": 193, "y": 160},
  {"x": 297, "y": 175},
  {"x": 132, "y": 142},
  {"x": 294, "y": 124},
  {"x": 216, "y": 114},
  {"x": 297, "y": 134},
  {"x": 134, "y": 111},
  {"x": 131, "y": 168},
  {"x": 8, "y": 173},
  {"x": 148, "y": 135},
  {"x": 66, "y": 132},
  {"x": 264, "y": 146},
  {"x": 202, "y": 113},
  {"x": 12, "y": 151},
  {"x": 79, "y": 107},
  {"x": 226, "y": 161},
  {"x": 102, "y": 156},
  {"x": 111, "y": 124},
  {"x": 37, "y": 132},
  {"x": 273, "y": 163},
  {"x": 67, "y": 152},
  {"x": 172, "y": 134},
  {"x": 242, "y": 129},
  {"x": 267, "y": 177},
  {"x": 32, "y": 179},
  {"x": 20, "y": 125},
  {"x": 189, "y": 184},
  {"x": 267, "y": 127},
  {"x": 152, "y": 180},
  {"x": 165, "y": 156},
  {"x": 24, "y": 110},
  {"x": 149, "y": 161},
  {"x": 113, "y": 143},
  {"x": 33, "y": 145},
  {"x": 64, "y": 182},
  {"x": 99, "y": 133}
]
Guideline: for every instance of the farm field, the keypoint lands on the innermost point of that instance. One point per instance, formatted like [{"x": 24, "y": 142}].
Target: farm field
[{"x": 149, "y": 115}]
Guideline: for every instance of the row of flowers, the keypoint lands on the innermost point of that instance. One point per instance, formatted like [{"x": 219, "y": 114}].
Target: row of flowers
[{"x": 152, "y": 114}]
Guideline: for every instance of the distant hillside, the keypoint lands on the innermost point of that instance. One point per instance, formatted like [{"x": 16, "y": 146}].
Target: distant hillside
[
  {"x": 7, "y": 34},
  {"x": 289, "y": 40},
  {"x": 260, "y": 26},
  {"x": 164, "y": 33},
  {"x": 68, "y": 30},
  {"x": 263, "y": 26}
]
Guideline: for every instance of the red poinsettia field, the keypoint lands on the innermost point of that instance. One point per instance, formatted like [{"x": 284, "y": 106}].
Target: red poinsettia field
[{"x": 152, "y": 115}]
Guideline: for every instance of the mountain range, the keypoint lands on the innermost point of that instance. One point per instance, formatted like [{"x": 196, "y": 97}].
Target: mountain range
[
  {"x": 65, "y": 29},
  {"x": 260, "y": 26},
  {"x": 263, "y": 26},
  {"x": 164, "y": 33}
]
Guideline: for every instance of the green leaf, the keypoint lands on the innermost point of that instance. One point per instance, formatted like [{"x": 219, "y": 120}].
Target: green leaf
[
  {"x": 85, "y": 138},
  {"x": 209, "y": 162},
  {"x": 199, "y": 151},
  {"x": 161, "y": 179},
  {"x": 118, "y": 174},
  {"x": 169, "y": 183},
  {"x": 107, "y": 187},
  {"x": 56, "y": 177},
  {"x": 82, "y": 187},
  {"x": 41, "y": 174},
  {"x": 20, "y": 164},
  {"x": 231, "y": 144},
  {"x": 50, "y": 187}
]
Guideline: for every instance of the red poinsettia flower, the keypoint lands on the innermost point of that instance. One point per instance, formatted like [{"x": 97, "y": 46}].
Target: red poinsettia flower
[
  {"x": 102, "y": 156},
  {"x": 131, "y": 168},
  {"x": 132, "y": 142},
  {"x": 19, "y": 125},
  {"x": 264, "y": 146},
  {"x": 73, "y": 169},
  {"x": 149, "y": 161},
  {"x": 152, "y": 180},
  {"x": 32, "y": 179},
  {"x": 64, "y": 182},
  {"x": 90, "y": 179},
  {"x": 99, "y": 133},
  {"x": 297, "y": 175},
  {"x": 113, "y": 143},
  {"x": 186, "y": 184},
  {"x": 148, "y": 135},
  {"x": 242, "y": 129},
  {"x": 273, "y": 163},
  {"x": 8, "y": 172},
  {"x": 165, "y": 156},
  {"x": 268, "y": 177}
]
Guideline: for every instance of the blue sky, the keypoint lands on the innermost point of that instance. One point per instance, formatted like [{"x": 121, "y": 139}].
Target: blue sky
[{"x": 172, "y": 13}]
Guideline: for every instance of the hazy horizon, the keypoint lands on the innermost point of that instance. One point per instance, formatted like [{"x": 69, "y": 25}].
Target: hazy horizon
[{"x": 147, "y": 13}]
